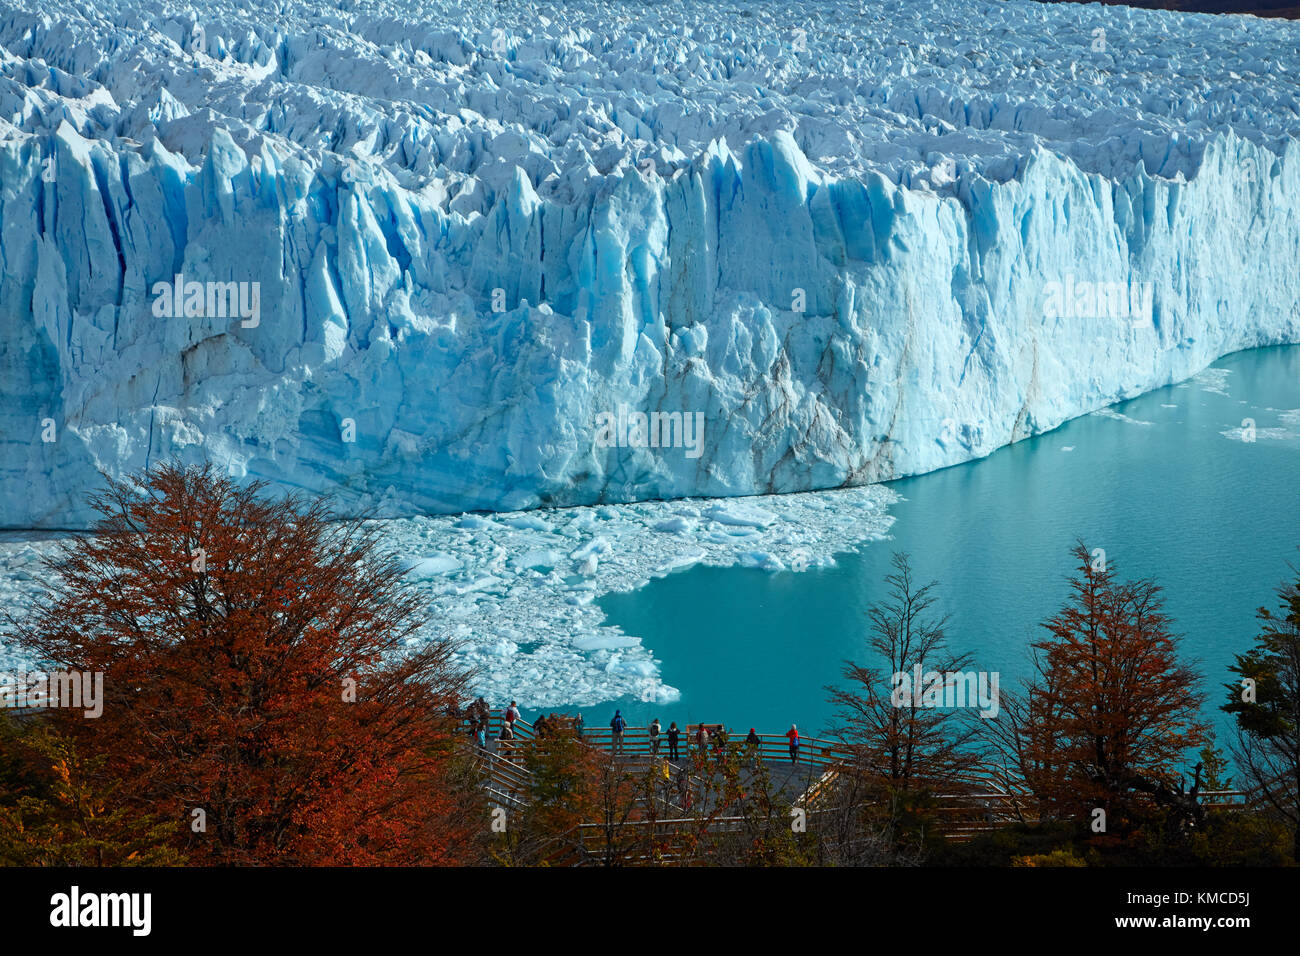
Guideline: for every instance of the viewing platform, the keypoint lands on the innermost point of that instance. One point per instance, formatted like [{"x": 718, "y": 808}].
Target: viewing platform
[{"x": 981, "y": 806}]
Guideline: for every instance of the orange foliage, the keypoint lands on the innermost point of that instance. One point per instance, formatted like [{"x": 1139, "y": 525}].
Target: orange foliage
[{"x": 230, "y": 629}]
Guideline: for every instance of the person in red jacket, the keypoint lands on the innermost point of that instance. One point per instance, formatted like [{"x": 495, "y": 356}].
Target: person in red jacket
[{"x": 793, "y": 736}]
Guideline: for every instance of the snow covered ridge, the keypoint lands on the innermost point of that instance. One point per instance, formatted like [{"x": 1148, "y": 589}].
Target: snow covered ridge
[{"x": 473, "y": 228}]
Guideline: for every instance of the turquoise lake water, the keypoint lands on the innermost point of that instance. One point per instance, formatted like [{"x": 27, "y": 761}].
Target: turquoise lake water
[{"x": 1213, "y": 518}]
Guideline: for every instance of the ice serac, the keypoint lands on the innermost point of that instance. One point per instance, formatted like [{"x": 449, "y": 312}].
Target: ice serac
[{"x": 862, "y": 241}]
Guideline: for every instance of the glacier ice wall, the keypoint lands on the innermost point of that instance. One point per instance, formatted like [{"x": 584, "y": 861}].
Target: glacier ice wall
[{"x": 832, "y": 228}]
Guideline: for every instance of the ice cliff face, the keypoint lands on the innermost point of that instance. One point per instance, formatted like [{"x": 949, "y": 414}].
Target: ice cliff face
[{"x": 440, "y": 256}]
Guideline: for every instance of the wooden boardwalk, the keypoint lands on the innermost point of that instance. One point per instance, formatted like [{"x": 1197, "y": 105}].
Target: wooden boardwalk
[{"x": 981, "y": 806}]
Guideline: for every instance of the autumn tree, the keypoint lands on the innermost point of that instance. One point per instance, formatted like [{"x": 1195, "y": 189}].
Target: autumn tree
[
  {"x": 555, "y": 775},
  {"x": 895, "y": 737},
  {"x": 577, "y": 804},
  {"x": 265, "y": 687},
  {"x": 1265, "y": 705},
  {"x": 1110, "y": 712},
  {"x": 772, "y": 830},
  {"x": 58, "y": 809}
]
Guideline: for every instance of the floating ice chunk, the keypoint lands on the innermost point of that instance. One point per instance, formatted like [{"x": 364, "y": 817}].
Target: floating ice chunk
[
  {"x": 598, "y": 545},
  {"x": 761, "y": 559},
  {"x": 473, "y": 523},
  {"x": 536, "y": 558},
  {"x": 1213, "y": 380},
  {"x": 1246, "y": 435},
  {"x": 1119, "y": 417},
  {"x": 734, "y": 513},
  {"x": 480, "y": 584},
  {"x": 606, "y": 642},
  {"x": 640, "y": 668},
  {"x": 677, "y": 524},
  {"x": 684, "y": 560},
  {"x": 432, "y": 565},
  {"x": 663, "y": 694},
  {"x": 528, "y": 522}
]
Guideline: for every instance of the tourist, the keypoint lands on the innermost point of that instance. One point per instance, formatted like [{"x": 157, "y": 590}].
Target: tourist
[
  {"x": 702, "y": 739},
  {"x": 578, "y": 724},
  {"x": 541, "y": 727},
  {"x": 618, "y": 725},
  {"x": 512, "y": 714},
  {"x": 793, "y": 736},
  {"x": 673, "y": 734},
  {"x": 752, "y": 740},
  {"x": 654, "y": 737},
  {"x": 719, "y": 740}
]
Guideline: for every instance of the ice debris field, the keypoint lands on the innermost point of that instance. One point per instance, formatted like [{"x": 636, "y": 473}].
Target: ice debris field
[
  {"x": 434, "y": 241},
  {"x": 516, "y": 589}
]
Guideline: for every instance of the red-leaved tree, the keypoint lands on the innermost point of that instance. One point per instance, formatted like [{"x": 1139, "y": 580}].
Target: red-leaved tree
[
  {"x": 261, "y": 684},
  {"x": 1111, "y": 713}
]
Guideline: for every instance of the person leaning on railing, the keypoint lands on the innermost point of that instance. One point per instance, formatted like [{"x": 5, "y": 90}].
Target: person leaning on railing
[{"x": 702, "y": 739}]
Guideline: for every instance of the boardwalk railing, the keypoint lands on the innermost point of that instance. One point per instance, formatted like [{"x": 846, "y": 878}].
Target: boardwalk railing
[
  {"x": 983, "y": 805},
  {"x": 638, "y": 743},
  {"x": 963, "y": 816},
  {"x": 505, "y": 781}
]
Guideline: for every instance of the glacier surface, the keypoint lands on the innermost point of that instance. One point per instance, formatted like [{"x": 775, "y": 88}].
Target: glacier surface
[{"x": 836, "y": 229}]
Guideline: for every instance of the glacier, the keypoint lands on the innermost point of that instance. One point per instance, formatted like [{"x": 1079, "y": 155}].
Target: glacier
[{"x": 833, "y": 228}]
